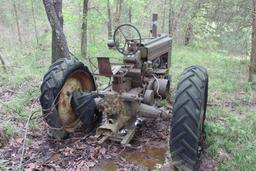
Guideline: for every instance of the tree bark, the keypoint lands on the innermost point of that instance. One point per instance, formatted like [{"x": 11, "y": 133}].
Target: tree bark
[
  {"x": 164, "y": 16},
  {"x": 118, "y": 12},
  {"x": 188, "y": 34},
  {"x": 17, "y": 22},
  {"x": 109, "y": 21},
  {"x": 171, "y": 26},
  {"x": 130, "y": 14},
  {"x": 53, "y": 10},
  {"x": 252, "y": 67},
  {"x": 35, "y": 24},
  {"x": 171, "y": 18},
  {"x": 177, "y": 16},
  {"x": 84, "y": 29}
]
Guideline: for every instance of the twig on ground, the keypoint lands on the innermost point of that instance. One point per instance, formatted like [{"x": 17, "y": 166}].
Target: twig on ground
[
  {"x": 120, "y": 152},
  {"x": 25, "y": 138},
  {"x": 36, "y": 117},
  {"x": 85, "y": 137},
  {"x": 3, "y": 63},
  {"x": 9, "y": 90}
]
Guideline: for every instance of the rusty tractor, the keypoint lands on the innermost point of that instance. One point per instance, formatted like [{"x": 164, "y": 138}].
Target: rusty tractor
[{"x": 71, "y": 100}]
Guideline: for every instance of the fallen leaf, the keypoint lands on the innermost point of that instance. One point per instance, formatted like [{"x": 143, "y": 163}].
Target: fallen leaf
[
  {"x": 103, "y": 151},
  {"x": 90, "y": 164},
  {"x": 30, "y": 167}
]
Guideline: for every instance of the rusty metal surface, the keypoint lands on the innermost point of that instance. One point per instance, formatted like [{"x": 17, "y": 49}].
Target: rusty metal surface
[
  {"x": 154, "y": 48},
  {"x": 162, "y": 86},
  {"x": 154, "y": 25},
  {"x": 121, "y": 114},
  {"x": 77, "y": 81},
  {"x": 123, "y": 86},
  {"x": 149, "y": 97},
  {"x": 104, "y": 66},
  {"x": 134, "y": 91},
  {"x": 148, "y": 111}
]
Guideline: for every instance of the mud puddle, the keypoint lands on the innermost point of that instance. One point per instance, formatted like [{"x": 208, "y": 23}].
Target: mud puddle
[{"x": 149, "y": 159}]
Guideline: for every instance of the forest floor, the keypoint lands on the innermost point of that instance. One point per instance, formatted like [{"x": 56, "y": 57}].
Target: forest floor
[{"x": 230, "y": 122}]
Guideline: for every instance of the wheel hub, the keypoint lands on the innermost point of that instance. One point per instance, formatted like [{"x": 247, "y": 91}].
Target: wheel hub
[{"x": 77, "y": 81}]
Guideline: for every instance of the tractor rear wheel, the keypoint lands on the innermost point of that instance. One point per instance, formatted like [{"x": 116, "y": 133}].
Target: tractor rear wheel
[
  {"x": 64, "y": 77},
  {"x": 189, "y": 109}
]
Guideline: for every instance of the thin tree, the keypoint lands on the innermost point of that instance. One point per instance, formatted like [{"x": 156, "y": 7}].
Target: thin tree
[
  {"x": 53, "y": 10},
  {"x": 130, "y": 13},
  {"x": 171, "y": 14},
  {"x": 252, "y": 68},
  {"x": 84, "y": 28},
  {"x": 118, "y": 12},
  {"x": 17, "y": 22},
  {"x": 109, "y": 20},
  {"x": 188, "y": 34},
  {"x": 34, "y": 20},
  {"x": 170, "y": 17},
  {"x": 164, "y": 16}
]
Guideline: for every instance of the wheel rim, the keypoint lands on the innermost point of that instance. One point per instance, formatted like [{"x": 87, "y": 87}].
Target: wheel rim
[{"x": 77, "y": 81}]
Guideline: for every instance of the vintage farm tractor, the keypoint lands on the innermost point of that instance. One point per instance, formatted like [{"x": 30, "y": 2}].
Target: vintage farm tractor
[{"x": 71, "y": 100}]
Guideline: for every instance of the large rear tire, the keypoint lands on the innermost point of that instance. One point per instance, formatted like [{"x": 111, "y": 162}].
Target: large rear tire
[
  {"x": 187, "y": 132},
  {"x": 63, "y": 78}
]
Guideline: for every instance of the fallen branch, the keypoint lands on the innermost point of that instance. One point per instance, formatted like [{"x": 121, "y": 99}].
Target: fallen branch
[
  {"x": 3, "y": 63},
  {"x": 25, "y": 138}
]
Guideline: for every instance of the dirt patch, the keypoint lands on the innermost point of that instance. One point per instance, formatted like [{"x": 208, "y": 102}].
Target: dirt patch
[
  {"x": 3, "y": 138},
  {"x": 6, "y": 94},
  {"x": 208, "y": 164}
]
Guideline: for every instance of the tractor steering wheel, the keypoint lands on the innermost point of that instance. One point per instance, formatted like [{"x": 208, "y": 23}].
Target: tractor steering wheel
[{"x": 127, "y": 39}]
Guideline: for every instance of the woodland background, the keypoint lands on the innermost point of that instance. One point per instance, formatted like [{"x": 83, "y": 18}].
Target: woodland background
[{"x": 220, "y": 36}]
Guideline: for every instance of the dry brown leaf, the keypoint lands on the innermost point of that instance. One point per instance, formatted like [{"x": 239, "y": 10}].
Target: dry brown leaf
[
  {"x": 90, "y": 164},
  {"x": 30, "y": 167},
  {"x": 103, "y": 151}
]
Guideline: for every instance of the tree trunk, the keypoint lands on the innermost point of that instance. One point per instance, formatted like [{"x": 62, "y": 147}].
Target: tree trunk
[
  {"x": 84, "y": 29},
  {"x": 35, "y": 24},
  {"x": 53, "y": 10},
  {"x": 130, "y": 14},
  {"x": 164, "y": 16},
  {"x": 252, "y": 68},
  {"x": 170, "y": 26},
  {"x": 17, "y": 23},
  {"x": 188, "y": 34},
  {"x": 118, "y": 12},
  {"x": 171, "y": 18},
  {"x": 109, "y": 21}
]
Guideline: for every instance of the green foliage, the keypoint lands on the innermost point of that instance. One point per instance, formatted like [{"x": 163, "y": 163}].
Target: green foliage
[{"x": 9, "y": 129}]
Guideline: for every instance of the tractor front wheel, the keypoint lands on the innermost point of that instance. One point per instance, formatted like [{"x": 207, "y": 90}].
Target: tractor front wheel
[
  {"x": 187, "y": 126},
  {"x": 64, "y": 77}
]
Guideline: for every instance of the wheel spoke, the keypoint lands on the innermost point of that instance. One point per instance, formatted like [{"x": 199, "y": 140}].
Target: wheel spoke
[
  {"x": 123, "y": 34},
  {"x": 128, "y": 33}
]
